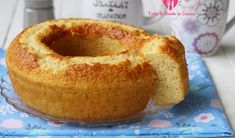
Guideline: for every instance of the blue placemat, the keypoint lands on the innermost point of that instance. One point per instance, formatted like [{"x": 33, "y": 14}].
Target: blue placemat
[{"x": 199, "y": 115}]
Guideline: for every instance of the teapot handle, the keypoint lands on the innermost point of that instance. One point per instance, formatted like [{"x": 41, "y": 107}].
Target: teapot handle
[
  {"x": 230, "y": 24},
  {"x": 150, "y": 6}
]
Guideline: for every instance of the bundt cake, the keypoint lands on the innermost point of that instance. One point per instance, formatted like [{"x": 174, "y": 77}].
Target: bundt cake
[{"x": 90, "y": 70}]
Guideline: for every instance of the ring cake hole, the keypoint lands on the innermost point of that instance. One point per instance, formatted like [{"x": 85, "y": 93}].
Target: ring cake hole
[{"x": 84, "y": 41}]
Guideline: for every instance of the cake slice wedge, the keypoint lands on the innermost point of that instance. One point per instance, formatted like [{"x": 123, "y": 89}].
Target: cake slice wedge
[{"x": 167, "y": 56}]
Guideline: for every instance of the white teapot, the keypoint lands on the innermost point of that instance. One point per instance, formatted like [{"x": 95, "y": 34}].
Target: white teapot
[{"x": 129, "y": 11}]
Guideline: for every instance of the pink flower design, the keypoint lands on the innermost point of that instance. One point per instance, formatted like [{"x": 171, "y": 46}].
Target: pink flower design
[
  {"x": 55, "y": 124},
  {"x": 12, "y": 123},
  {"x": 215, "y": 103},
  {"x": 160, "y": 123},
  {"x": 206, "y": 43},
  {"x": 191, "y": 26},
  {"x": 204, "y": 118},
  {"x": 210, "y": 12}
]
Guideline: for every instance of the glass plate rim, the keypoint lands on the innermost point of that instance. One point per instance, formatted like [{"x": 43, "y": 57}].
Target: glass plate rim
[{"x": 35, "y": 113}]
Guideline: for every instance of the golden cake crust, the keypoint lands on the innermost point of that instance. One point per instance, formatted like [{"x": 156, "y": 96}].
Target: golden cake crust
[
  {"x": 94, "y": 90},
  {"x": 84, "y": 86}
]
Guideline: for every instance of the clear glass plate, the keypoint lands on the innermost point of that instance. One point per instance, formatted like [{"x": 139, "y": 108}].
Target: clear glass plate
[{"x": 8, "y": 93}]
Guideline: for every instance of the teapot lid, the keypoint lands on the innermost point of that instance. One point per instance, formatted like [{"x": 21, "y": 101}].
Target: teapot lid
[{"x": 38, "y": 3}]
